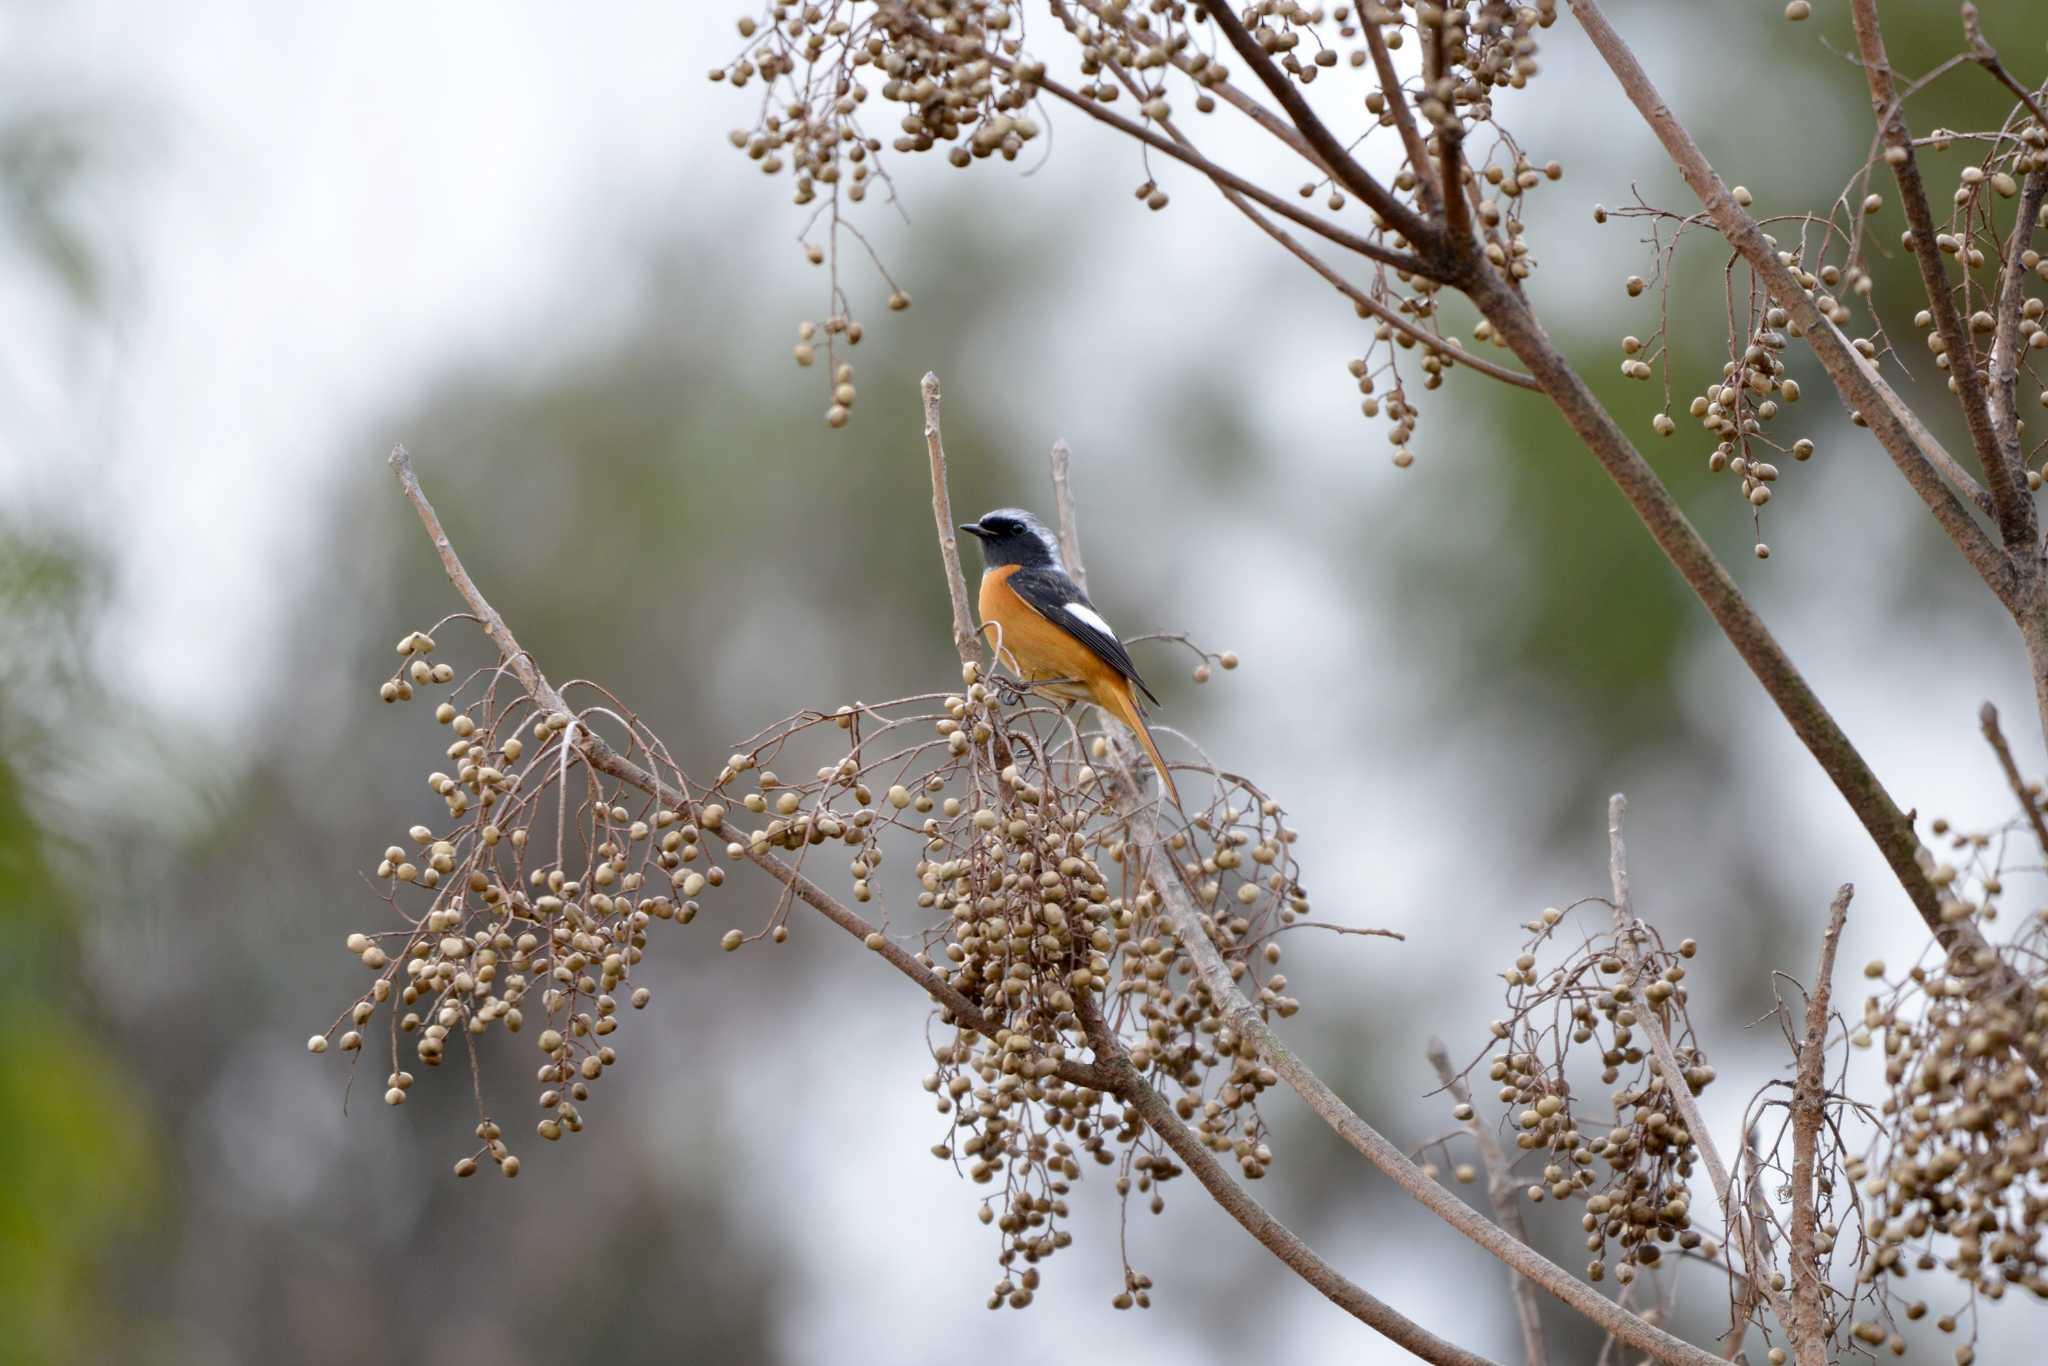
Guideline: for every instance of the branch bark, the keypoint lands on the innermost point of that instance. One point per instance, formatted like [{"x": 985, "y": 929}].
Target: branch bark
[{"x": 1808, "y": 1324}]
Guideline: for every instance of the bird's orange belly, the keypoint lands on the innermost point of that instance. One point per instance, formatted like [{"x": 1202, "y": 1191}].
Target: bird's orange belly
[{"x": 1034, "y": 648}]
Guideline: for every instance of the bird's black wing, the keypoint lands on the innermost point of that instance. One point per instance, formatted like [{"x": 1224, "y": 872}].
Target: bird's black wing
[{"x": 1049, "y": 592}]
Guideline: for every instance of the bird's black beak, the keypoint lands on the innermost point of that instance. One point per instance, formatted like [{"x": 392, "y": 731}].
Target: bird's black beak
[{"x": 974, "y": 529}]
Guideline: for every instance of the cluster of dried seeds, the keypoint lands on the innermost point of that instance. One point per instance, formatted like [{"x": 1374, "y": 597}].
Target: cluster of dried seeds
[
  {"x": 1631, "y": 1169},
  {"x": 1033, "y": 857},
  {"x": 963, "y": 78}
]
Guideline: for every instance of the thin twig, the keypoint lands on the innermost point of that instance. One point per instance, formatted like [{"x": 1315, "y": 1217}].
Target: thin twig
[
  {"x": 1987, "y": 717},
  {"x": 1362, "y": 301},
  {"x": 942, "y": 513},
  {"x": 1845, "y": 368},
  {"x": 1506, "y": 1199},
  {"x": 1675, "y": 1084},
  {"x": 1063, "y": 509},
  {"x": 2005, "y": 479},
  {"x": 1419, "y": 231},
  {"x": 1807, "y": 1326}
]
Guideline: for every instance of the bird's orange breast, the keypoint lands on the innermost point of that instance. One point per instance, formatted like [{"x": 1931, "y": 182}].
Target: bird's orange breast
[{"x": 1036, "y": 648}]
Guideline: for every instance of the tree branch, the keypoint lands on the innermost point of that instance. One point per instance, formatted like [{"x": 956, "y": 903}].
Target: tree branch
[
  {"x": 949, "y": 539},
  {"x": 1808, "y": 1325},
  {"x": 1850, "y": 374},
  {"x": 1363, "y": 302},
  {"x": 1988, "y": 718},
  {"x": 1874, "y": 808},
  {"x": 1506, "y": 1201},
  {"x": 1063, "y": 509},
  {"x": 1733, "y": 1215},
  {"x": 2006, "y": 481},
  {"x": 1419, "y": 231}
]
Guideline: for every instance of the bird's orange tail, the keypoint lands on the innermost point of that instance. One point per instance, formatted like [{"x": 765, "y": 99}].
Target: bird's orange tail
[{"x": 1126, "y": 710}]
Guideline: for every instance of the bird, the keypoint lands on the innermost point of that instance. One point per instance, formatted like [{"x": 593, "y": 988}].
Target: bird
[{"x": 1046, "y": 631}]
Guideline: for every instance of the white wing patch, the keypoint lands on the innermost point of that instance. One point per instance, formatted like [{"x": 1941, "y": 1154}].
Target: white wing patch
[{"x": 1092, "y": 618}]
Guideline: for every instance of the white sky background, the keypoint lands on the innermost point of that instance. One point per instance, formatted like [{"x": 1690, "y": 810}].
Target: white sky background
[{"x": 325, "y": 206}]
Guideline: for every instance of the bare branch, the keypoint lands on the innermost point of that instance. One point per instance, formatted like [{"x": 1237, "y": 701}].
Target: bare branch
[
  {"x": 1807, "y": 1325},
  {"x": 1402, "y": 115},
  {"x": 1063, "y": 510},
  {"x": 2006, "y": 481},
  {"x": 1332, "y": 153},
  {"x": 1733, "y": 1215},
  {"x": 1988, "y": 718},
  {"x": 1506, "y": 1200},
  {"x": 942, "y": 513},
  {"x": 1845, "y": 368}
]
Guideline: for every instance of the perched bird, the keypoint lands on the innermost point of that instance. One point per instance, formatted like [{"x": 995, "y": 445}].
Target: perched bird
[{"x": 1044, "y": 628}]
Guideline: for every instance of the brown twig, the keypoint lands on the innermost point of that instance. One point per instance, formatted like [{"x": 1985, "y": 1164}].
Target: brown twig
[
  {"x": 2004, "y": 361},
  {"x": 2006, "y": 481},
  {"x": 1362, "y": 301},
  {"x": 942, "y": 513},
  {"x": 1987, "y": 718},
  {"x": 1063, "y": 509},
  {"x": 1506, "y": 1200},
  {"x": 1419, "y": 231},
  {"x": 1807, "y": 1326},
  {"x": 1733, "y": 1216},
  {"x": 1403, "y": 117},
  {"x": 1845, "y": 368}
]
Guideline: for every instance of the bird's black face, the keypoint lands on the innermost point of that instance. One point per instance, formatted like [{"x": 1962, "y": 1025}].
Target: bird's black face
[{"x": 1013, "y": 536}]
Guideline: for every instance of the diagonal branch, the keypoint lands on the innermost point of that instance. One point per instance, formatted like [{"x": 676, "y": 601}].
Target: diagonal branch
[
  {"x": 1888, "y": 826},
  {"x": 1851, "y": 376},
  {"x": 1419, "y": 231},
  {"x": 2006, "y": 480},
  {"x": 1995, "y": 736}
]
